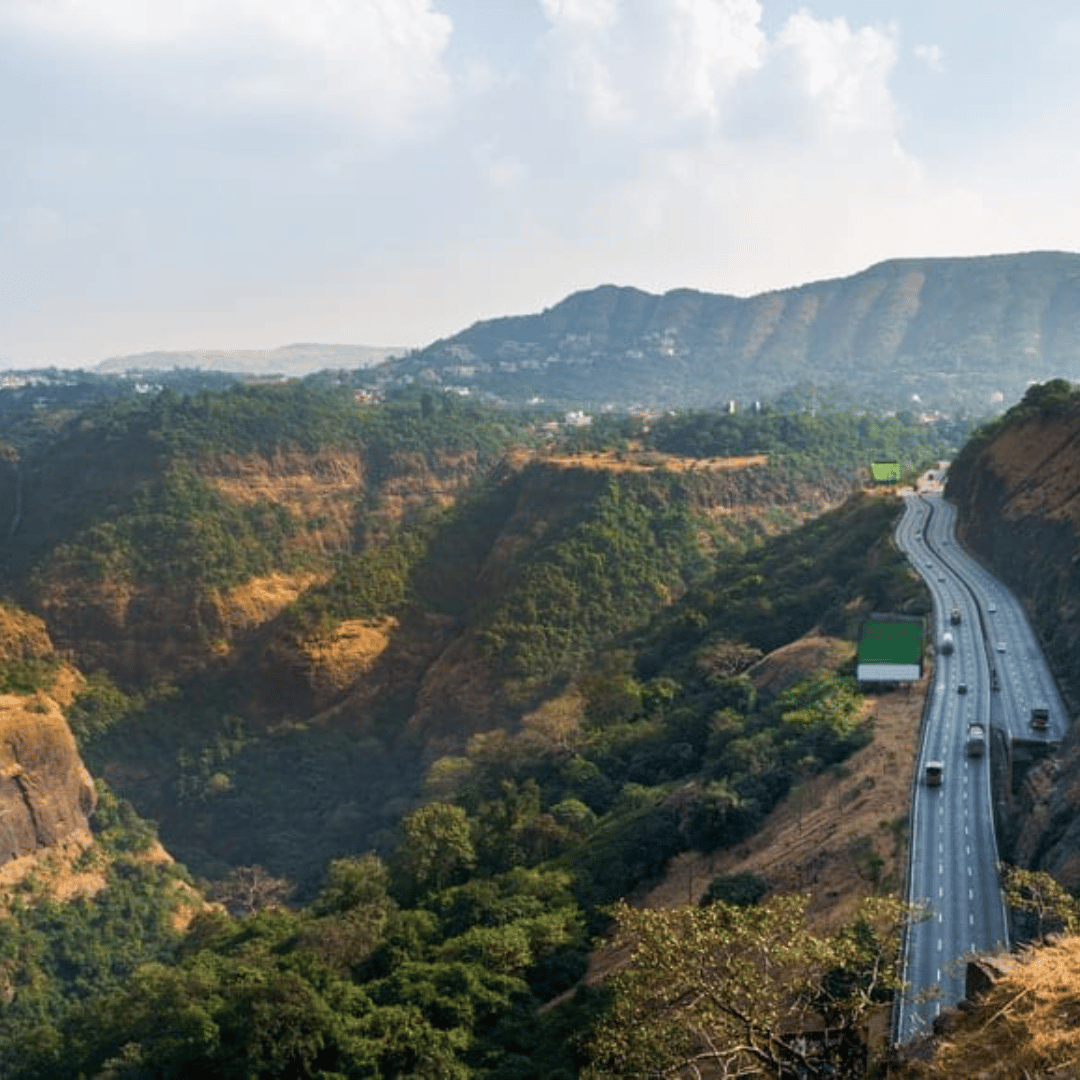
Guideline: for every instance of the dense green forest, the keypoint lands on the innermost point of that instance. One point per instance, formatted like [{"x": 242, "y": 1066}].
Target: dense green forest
[
  {"x": 399, "y": 899},
  {"x": 432, "y": 959}
]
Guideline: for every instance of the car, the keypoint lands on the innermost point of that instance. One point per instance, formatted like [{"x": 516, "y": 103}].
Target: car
[
  {"x": 1001, "y": 646},
  {"x": 962, "y": 688},
  {"x": 991, "y": 607},
  {"x": 941, "y": 577}
]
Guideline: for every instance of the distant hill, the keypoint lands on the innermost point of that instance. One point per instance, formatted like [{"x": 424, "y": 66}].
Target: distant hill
[
  {"x": 286, "y": 360},
  {"x": 947, "y": 333}
]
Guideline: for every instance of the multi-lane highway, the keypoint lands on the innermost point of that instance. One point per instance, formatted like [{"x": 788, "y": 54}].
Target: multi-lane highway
[{"x": 953, "y": 861}]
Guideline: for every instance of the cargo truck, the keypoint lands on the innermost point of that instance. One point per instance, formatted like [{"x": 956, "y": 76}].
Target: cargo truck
[
  {"x": 1040, "y": 718},
  {"x": 954, "y": 618},
  {"x": 976, "y": 740},
  {"x": 935, "y": 770},
  {"x": 946, "y": 643}
]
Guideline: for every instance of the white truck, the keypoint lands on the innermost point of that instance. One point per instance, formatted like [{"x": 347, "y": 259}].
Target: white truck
[
  {"x": 976, "y": 740},
  {"x": 946, "y": 643}
]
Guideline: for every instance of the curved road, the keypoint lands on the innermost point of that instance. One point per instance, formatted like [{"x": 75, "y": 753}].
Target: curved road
[{"x": 953, "y": 854}]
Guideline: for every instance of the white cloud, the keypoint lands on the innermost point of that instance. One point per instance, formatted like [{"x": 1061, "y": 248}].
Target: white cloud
[
  {"x": 843, "y": 74},
  {"x": 933, "y": 56},
  {"x": 656, "y": 64},
  {"x": 710, "y": 43},
  {"x": 377, "y": 61},
  {"x": 580, "y": 46}
]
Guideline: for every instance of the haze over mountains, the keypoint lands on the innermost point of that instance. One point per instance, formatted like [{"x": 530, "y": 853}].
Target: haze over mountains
[
  {"x": 286, "y": 360},
  {"x": 927, "y": 334}
]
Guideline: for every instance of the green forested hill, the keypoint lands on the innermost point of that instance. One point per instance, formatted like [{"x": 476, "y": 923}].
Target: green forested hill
[
  {"x": 955, "y": 332},
  {"x": 415, "y": 697}
]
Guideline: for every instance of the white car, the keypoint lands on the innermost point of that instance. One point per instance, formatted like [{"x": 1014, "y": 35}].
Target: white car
[
  {"x": 1001, "y": 646},
  {"x": 991, "y": 607}
]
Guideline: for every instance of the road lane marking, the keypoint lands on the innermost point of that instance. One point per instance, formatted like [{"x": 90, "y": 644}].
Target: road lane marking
[
  {"x": 971, "y": 920},
  {"x": 940, "y": 945}
]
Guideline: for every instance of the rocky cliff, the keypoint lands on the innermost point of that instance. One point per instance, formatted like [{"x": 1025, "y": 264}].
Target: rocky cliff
[
  {"x": 1018, "y": 489},
  {"x": 46, "y": 794}
]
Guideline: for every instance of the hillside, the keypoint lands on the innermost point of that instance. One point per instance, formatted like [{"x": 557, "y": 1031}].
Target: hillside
[
  {"x": 522, "y": 668},
  {"x": 939, "y": 333},
  {"x": 1017, "y": 484}
]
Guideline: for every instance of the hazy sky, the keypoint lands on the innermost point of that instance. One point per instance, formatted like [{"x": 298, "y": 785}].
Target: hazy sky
[{"x": 251, "y": 173}]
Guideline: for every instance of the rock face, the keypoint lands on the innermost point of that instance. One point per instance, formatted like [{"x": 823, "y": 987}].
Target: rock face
[
  {"x": 1019, "y": 491},
  {"x": 46, "y": 794}
]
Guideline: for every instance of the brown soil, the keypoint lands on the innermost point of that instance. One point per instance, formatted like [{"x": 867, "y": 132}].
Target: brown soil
[
  {"x": 259, "y": 599},
  {"x": 340, "y": 659},
  {"x": 644, "y": 461}
]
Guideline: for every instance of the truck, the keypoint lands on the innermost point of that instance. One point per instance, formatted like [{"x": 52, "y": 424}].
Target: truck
[
  {"x": 935, "y": 770},
  {"x": 954, "y": 618},
  {"x": 1040, "y": 718},
  {"x": 946, "y": 643},
  {"x": 976, "y": 740}
]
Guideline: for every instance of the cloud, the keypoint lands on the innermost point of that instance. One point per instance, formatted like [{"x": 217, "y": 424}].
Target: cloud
[
  {"x": 377, "y": 62},
  {"x": 580, "y": 49},
  {"x": 931, "y": 55},
  {"x": 660, "y": 66},
  {"x": 840, "y": 73}
]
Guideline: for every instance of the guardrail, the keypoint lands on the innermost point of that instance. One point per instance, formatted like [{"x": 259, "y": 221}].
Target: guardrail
[{"x": 898, "y": 1001}]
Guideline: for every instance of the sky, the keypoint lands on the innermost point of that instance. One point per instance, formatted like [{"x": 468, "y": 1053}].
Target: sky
[{"x": 226, "y": 174}]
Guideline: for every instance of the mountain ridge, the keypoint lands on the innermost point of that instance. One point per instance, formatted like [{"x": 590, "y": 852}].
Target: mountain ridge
[{"x": 947, "y": 332}]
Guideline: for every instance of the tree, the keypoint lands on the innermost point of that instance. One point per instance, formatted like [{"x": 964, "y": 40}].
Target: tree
[
  {"x": 714, "y": 990},
  {"x": 436, "y": 850},
  {"x": 1037, "y": 893},
  {"x": 708, "y": 988},
  {"x": 249, "y": 889}
]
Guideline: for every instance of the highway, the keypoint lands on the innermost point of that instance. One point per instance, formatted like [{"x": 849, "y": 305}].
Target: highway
[{"x": 953, "y": 854}]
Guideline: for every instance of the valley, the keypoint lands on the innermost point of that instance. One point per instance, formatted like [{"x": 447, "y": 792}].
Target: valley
[{"x": 423, "y": 683}]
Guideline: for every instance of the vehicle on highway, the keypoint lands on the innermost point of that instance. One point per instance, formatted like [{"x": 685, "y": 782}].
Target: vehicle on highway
[
  {"x": 935, "y": 771},
  {"x": 954, "y": 618},
  {"x": 976, "y": 740},
  {"x": 991, "y": 607},
  {"x": 1001, "y": 646},
  {"x": 946, "y": 643},
  {"x": 1040, "y": 718},
  {"x": 962, "y": 688},
  {"x": 941, "y": 577}
]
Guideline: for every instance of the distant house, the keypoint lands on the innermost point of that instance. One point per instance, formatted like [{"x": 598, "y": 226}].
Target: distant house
[{"x": 885, "y": 472}]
